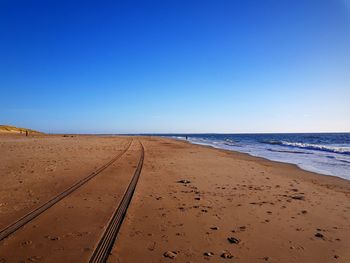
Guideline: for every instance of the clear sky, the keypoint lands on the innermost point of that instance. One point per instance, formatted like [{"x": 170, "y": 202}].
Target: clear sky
[{"x": 175, "y": 66}]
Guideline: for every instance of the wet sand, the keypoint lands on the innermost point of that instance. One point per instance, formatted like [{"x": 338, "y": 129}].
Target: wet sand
[{"x": 192, "y": 204}]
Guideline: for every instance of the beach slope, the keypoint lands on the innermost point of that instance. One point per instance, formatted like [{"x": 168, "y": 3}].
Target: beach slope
[
  {"x": 199, "y": 204},
  {"x": 192, "y": 203}
]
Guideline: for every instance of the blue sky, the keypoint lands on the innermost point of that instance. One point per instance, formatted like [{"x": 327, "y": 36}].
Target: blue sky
[{"x": 175, "y": 66}]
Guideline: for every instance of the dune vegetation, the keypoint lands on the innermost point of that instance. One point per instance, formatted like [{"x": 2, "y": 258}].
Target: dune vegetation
[{"x": 13, "y": 129}]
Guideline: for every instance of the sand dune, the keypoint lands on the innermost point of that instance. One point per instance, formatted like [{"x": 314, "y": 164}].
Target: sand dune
[{"x": 7, "y": 129}]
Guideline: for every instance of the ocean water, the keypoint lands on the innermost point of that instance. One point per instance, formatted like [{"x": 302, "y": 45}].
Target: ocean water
[{"x": 325, "y": 153}]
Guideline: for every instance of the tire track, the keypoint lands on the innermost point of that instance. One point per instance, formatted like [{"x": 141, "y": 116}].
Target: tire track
[
  {"x": 106, "y": 243},
  {"x": 39, "y": 210}
]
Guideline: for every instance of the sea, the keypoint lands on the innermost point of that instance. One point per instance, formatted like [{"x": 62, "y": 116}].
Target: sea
[{"x": 324, "y": 153}]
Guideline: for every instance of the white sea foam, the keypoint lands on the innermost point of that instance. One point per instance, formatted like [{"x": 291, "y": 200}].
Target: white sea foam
[
  {"x": 324, "y": 159},
  {"x": 309, "y": 146}
]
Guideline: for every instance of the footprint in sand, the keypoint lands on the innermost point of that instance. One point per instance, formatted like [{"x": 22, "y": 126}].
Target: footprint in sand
[
  {"x": 170, "y": 254},
  {"x": 233, "y": 240},
  {"x": 226, "y": 255},
  {"x": 25, "y": 243}
]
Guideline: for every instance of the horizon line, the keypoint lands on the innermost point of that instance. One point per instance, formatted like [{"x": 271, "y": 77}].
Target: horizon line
[{"x": 199, "y": 133}]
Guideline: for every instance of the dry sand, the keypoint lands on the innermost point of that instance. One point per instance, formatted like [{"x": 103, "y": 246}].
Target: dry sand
[{"x": 271, "y": 212}]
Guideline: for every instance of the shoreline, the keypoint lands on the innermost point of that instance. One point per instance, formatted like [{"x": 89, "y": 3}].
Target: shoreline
[
  {"x": 265, "y": 158},
  {"x": 338, "y": 181}
]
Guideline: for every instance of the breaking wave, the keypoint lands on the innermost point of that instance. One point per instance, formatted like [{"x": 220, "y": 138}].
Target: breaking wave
[{"x": 309, "y": 146}]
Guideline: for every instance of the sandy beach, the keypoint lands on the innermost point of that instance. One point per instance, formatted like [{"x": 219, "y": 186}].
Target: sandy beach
[{"x": 191, "y": 204}]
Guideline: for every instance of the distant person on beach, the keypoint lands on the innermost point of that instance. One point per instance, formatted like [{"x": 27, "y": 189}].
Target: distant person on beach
[
  {"x": 186, "y": 138},
  {"x": 26, "y": 133}
]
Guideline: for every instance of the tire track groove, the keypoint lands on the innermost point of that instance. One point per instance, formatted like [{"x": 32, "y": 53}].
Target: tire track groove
[
  {"x": 36, "y": 212},
  {"x": 106, "y": 243}
]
